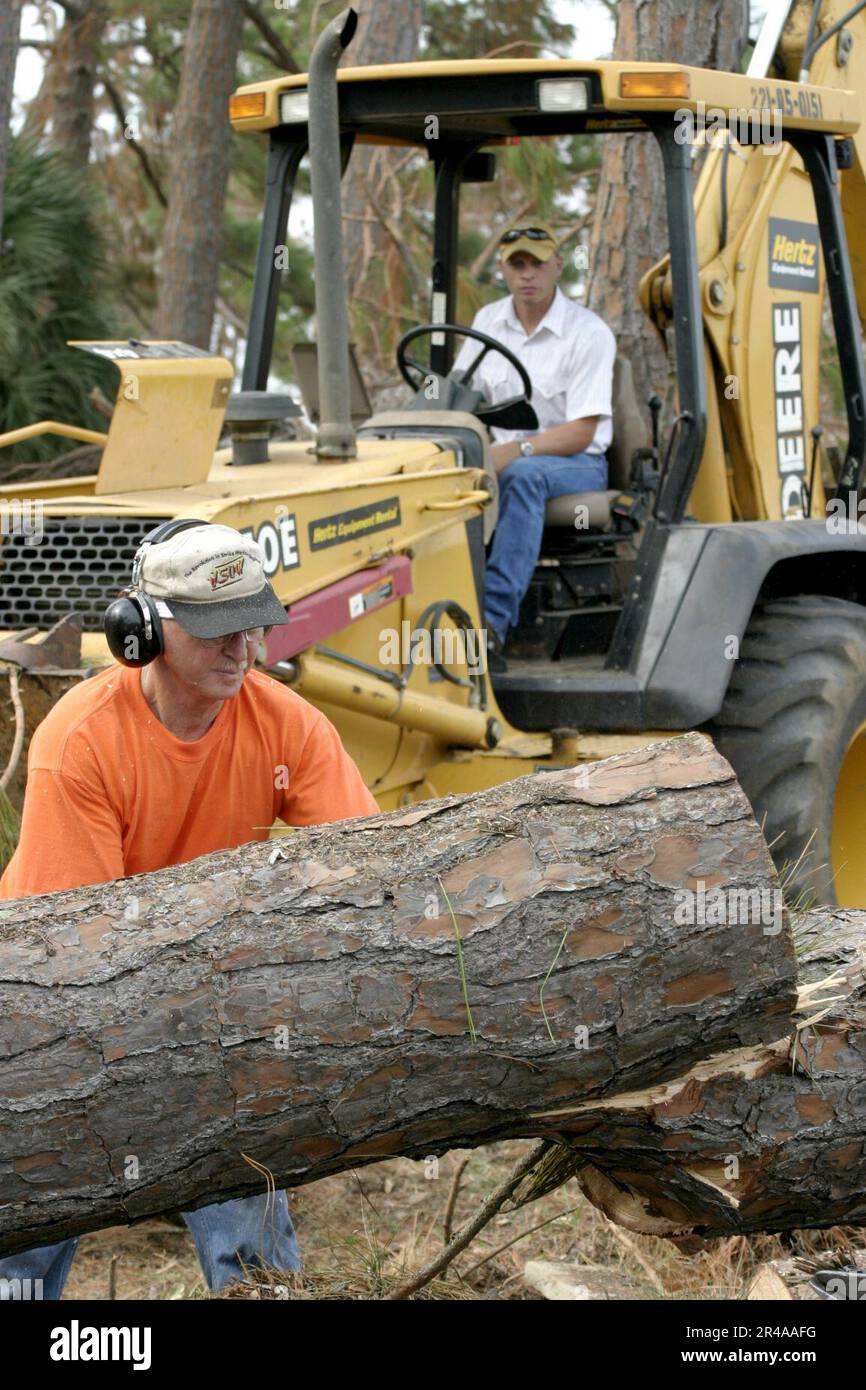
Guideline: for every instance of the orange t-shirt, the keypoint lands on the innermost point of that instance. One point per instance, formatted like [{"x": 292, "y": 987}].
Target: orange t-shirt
[{"x": 111, "y": 792}]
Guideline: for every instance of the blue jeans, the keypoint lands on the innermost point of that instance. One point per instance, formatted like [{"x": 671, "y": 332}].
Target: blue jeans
[
  {"x": 524, "y": 487},
  {"x": 251, "y": 1229}
]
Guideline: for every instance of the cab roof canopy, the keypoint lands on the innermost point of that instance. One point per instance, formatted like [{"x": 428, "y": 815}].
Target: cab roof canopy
[{"x": 497, "y": 99}]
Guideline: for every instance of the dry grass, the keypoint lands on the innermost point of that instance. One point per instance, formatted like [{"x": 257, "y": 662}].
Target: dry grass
[{"x": 362, "y": 1232}]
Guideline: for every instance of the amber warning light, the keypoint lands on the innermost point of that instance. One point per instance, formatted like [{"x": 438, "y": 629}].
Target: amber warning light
[
  {"x": 654, "y": 84},
  {"x": 246, "y": 104}
]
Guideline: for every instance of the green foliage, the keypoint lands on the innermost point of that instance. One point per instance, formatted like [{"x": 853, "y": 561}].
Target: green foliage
[
  {"x": 52, "y": 269},
  {"x": 138, "y": 74},
  {"x": 477, "y": 29}
]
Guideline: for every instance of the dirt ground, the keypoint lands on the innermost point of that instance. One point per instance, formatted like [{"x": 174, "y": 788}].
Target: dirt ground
[{"x": 362, "y": 1232}]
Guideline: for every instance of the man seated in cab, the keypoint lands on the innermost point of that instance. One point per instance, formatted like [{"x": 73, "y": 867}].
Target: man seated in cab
[{"x": 569, "y": 353}]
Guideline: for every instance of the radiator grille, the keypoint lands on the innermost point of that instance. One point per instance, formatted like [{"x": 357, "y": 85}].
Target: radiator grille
[{"x": 78, "y": 566}]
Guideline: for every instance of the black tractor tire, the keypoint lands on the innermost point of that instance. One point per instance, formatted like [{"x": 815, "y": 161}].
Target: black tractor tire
[{"x": 797, "y": 697}]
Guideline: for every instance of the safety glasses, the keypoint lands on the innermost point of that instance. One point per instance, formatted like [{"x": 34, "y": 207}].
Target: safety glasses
[{"x": 250, "y": 634}]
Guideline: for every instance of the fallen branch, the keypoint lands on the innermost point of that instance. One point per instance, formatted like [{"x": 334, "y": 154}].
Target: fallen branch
[
  {"x": 18, "y": 741},
  {"x": 467, "y": 1233}
]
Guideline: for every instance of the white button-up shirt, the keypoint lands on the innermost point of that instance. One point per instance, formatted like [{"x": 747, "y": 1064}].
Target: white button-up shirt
[{"x": 569, "y": 358}]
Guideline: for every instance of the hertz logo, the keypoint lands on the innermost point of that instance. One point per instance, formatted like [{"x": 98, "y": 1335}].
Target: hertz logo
[
  {"x": 794, "y": 259},
  {"x": 803, "y": 252}
]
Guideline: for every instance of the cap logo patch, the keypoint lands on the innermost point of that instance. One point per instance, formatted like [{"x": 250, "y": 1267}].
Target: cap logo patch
[{"x": 229, "y": 572}]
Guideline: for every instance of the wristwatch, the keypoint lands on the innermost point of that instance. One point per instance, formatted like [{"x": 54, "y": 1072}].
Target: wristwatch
[{"x": 527, "y": 448}]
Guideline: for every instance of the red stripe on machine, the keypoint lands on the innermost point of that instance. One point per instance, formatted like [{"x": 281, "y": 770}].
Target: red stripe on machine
[{"x": 338, "y": 605}]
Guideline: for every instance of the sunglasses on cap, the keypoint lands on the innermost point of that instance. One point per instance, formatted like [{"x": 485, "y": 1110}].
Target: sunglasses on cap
[{"x": 534, "y": 233}]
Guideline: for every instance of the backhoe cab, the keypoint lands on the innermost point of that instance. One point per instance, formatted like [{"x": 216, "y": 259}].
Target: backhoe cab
[
  {"x": 705, "y": 588},
  {"x": 616, "y": 617}
]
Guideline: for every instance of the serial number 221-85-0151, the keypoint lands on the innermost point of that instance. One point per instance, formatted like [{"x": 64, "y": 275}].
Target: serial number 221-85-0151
[{"x": 804, "y": 103}]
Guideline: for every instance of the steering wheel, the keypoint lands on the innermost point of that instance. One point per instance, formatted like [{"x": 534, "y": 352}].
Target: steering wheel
[{"x": 408, "y": 364}]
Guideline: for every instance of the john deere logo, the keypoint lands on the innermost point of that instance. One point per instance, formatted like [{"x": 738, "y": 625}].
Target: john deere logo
[
  {"x": 794, "y": 257},
  {"x": 229, "y": 572}
]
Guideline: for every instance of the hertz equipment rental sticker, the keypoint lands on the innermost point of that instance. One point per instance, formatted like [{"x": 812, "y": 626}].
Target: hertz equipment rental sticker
[
  {"x": 794, "y": 255},
  {"x": 360, "y": 521}
]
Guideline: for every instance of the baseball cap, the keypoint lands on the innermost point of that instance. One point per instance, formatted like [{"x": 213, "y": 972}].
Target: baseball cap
[
  {"x": 538, "y": 238},
  {"x": 211, "y": 578}
]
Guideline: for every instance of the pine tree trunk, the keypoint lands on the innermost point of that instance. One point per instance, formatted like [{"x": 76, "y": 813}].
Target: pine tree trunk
[
  {"x": 630, "y": 231},
  {"x": 74, "y": 67},
  {"x": 316, "y": 1013},
  {"x": 10, "y": 23},
  {"x": 201, "y": 152}
]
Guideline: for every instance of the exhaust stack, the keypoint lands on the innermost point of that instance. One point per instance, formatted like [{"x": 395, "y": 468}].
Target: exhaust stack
[{"x": 336, "y": 435}]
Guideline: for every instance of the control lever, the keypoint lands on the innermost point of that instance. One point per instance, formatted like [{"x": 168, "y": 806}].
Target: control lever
[
  {"x": 655, "y": 405},
  {"x": 816, "y": 432},
  {"x": 630, "y": 510}
]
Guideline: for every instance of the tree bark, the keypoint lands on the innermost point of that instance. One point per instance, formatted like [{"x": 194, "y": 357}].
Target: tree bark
[
  {"x": 315, "y": 1012},
  {"x": 10, "y": 24},
  {"x": 630, "y": 231},
  {"x": 74, "y": 66},
  {"x": 201, "y": 151},
  {"x": 763, "y": 1138}
]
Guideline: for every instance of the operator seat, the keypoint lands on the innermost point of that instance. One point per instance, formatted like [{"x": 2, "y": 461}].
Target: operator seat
[{"x": 631, "y": 431}]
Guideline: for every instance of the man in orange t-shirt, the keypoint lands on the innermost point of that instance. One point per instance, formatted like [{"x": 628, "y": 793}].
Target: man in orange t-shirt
[{"x": 182, "y": 750}]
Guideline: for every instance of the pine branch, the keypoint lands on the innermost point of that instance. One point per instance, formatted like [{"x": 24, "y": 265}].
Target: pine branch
[
  {"x": 469, "y": 1231},
  {"x": 242, "y": 270},
  {"x": 277, "y": 49},
  {"x": 230, "y": 315},
  {"x": 163, "y": 60},
  {"x": 141, "y": 153},
  {"x": 506, "y": 47}
]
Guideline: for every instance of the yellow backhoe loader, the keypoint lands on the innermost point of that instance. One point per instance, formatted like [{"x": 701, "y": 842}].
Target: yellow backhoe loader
[{"x": 715, "y": 585}]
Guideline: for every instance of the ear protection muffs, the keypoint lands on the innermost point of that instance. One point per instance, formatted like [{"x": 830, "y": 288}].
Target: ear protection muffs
[{"x": 132, "y": 625}]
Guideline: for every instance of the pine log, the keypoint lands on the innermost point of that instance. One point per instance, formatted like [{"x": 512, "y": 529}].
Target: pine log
[
  {"x": 311, "y": 1008},
  {"x": 766, "y": 1138}
]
